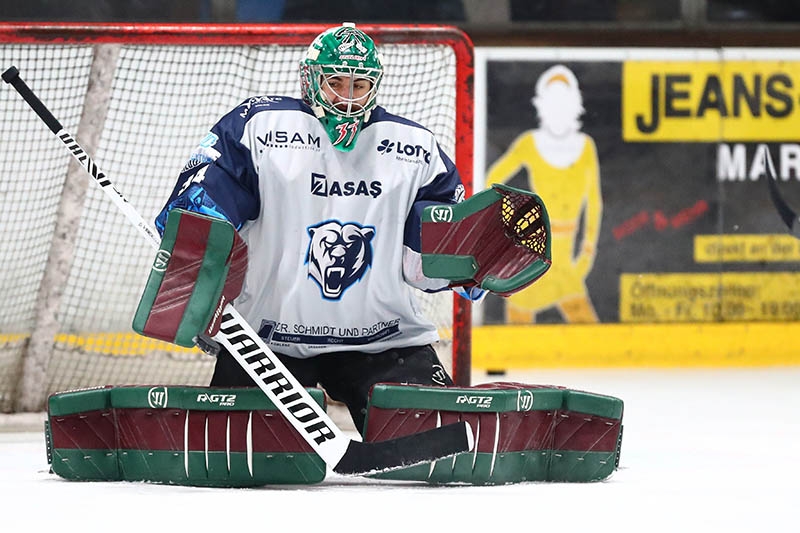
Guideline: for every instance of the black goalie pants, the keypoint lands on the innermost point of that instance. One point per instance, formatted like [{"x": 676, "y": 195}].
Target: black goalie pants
[{"x": 347, "y": 377}]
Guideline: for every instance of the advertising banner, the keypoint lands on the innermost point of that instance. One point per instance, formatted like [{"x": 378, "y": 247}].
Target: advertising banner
[{"x": 652, "y": 164}]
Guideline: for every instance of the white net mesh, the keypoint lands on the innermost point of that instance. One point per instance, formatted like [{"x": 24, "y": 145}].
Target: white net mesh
[{"x": 163, "y": 99}]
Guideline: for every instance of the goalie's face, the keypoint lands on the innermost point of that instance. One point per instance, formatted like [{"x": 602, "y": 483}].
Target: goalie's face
[{"x": 347, "y": 95}]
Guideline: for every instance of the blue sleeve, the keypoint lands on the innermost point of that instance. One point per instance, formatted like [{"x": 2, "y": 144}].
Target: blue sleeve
[
  {"x": 219, "y": 179},
  {"x": 445, "y": 188}
]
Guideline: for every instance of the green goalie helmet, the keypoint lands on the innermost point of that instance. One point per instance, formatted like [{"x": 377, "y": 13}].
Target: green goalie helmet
[{"x": 339, "y": 79}]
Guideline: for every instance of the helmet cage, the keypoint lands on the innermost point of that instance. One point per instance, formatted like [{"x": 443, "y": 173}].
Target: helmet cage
[{"x": 315, "y": 77}]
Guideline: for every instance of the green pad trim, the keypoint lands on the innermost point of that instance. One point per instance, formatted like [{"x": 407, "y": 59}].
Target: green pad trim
[
  {"x": 210, "y": 282},
  {"x": 67, "y": 403},
  {"x": 467, "y": 400},
  {"x": 452, "y": 267},
  {"x": 170, "y": 467},
  {"x": 191, "y": 398},
  {"x": 198, "y": 398},
  {"x": 460, "y": 211},
  {"x": 494, "y": 400},
  {"x": 512, "y": 467},
  {"x": 268, "y": 468},
  {"x": 86, "y": 465},
  {"x": 592, "y": 404}
]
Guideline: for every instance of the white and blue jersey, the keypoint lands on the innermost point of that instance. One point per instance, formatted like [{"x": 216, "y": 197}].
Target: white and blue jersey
[{"x": 333, "y": 237}]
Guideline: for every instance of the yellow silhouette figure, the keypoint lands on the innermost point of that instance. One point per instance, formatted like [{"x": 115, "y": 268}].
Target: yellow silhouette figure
[{"x": 562, "y": 167}]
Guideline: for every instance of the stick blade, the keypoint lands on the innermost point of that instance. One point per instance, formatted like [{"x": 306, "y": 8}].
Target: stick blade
[{"x": 372, "y": 457}]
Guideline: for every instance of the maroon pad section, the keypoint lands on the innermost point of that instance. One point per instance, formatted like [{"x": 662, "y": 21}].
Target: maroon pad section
[
  {"x": 239, "y": 421},
  {"x": 458, "y": 238},
  {"x": 519, "y": 430},
  {"x": 217, "y": 430},
  {"x": 149, "y": 429},
  {"x": 525, "y": 430},
  {"x": 385, "y": 424},
  {"x": 572, "y": 431},
  {"x": 196, "y": 437},
  {"x": 179, "y": 279},
  {"x": 579, "y": 432},
  {"x": 483, "y": 236},
  {"x": 273, "y": 433},
  {"x": 92, "y": 430}
]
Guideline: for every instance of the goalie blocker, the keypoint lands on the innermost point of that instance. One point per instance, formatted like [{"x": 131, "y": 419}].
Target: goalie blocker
[{"x": 199, "y": 268}]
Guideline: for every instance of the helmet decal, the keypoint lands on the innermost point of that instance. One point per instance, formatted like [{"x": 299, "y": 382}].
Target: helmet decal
[
  {"x": 347, "y": 130},
  {"x": 350, "y": 38}
]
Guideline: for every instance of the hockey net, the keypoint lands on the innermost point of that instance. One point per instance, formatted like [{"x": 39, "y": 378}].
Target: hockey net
[{"x": 140, "y": 98}]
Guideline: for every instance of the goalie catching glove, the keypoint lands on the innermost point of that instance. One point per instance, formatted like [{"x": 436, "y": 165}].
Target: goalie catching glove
[
  {"x": 198, "y": 270},
  {"x": 497, "y": 240}
]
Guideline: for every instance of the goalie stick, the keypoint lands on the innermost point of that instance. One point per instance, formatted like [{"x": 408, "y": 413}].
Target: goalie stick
[
  {"x": 787, "y": 214},
  {"x": 343, "y": 454}
]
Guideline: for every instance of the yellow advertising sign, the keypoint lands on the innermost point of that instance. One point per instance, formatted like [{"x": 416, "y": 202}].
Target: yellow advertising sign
[
  {"x": 665, "y": 101},
  {"x": 746, "y": 248},
  {"x": 740, "y": 296},
  {"x": 716, "y": 344}
]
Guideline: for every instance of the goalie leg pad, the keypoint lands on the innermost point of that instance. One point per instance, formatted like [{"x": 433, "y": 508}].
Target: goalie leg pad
[
  {"x": 522, "y": 432},
  {"x": 199, "y": 268},
  {"x": 194, "y": 436}
]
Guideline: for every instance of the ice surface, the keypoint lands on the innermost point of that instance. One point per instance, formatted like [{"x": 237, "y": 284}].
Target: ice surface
[{"x": 704, "y": 450}]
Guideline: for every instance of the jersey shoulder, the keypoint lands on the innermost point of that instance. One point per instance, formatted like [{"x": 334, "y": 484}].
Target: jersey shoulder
[
  {"x": 236, "y": 118},
  {"x": 380, "y": 116},
  {"x": 267, "y": 103}
]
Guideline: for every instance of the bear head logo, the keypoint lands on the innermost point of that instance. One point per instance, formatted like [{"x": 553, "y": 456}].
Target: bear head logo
[{"x": 338, "y": 255}]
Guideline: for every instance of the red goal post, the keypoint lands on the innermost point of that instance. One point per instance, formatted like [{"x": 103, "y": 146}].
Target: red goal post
[{"x": 139, "y": 97}]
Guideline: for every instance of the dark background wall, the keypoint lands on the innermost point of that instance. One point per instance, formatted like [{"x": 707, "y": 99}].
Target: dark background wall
[{"x": 496, "y": 22}]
